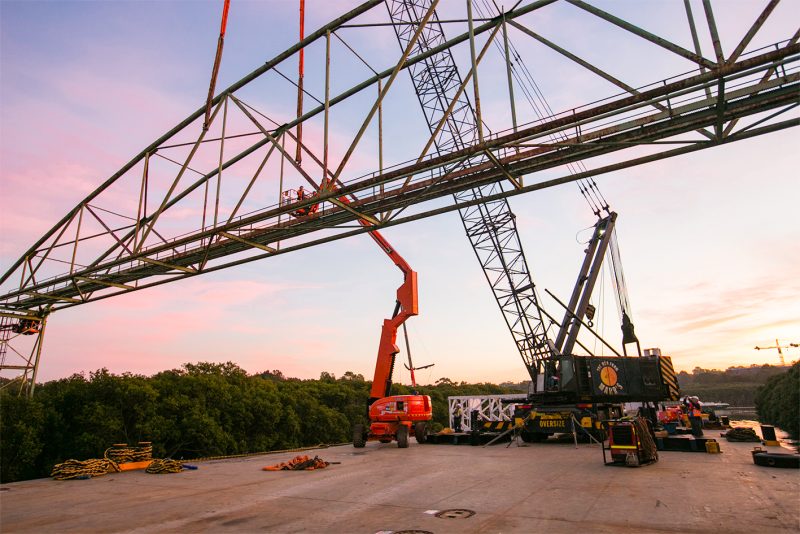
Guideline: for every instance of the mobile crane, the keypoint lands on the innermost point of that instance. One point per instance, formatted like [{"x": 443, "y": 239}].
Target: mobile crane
[
  {"x": 392, "y": 417},
  {"x": 588, "y": 389}
]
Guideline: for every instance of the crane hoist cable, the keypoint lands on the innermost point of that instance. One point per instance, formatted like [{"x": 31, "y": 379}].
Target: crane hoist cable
[{"x": 536, "y": 99}]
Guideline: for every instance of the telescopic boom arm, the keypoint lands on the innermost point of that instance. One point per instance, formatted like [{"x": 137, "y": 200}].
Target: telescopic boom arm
[{"x": 405, "y": 307}]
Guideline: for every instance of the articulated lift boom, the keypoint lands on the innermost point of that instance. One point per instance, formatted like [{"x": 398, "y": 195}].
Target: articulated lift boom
[
  {"x": 406, "y": 306},
  {"x": 392, "y": 417}
]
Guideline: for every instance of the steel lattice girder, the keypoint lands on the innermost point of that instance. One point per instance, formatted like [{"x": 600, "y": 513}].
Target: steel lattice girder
[{"x": 740, "y": 87}]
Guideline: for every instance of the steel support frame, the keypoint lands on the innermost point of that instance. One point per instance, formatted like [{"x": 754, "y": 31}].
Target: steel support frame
[
  {"x": 24, "y": 362},
  {"x": 489, "y": 408},
  {"x": 410, "y": 61}
]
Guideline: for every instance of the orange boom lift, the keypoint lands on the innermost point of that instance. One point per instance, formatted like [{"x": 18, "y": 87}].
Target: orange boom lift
[{"x": 392, "y": 417}]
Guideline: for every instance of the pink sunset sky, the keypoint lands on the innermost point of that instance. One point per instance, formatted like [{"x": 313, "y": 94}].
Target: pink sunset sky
[{"x": 709, "y": 240}]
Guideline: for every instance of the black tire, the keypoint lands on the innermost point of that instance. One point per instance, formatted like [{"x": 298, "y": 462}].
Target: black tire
[
  {"x": 402, "y": 436},
  {"x": 421, "y": 432},
  {"x": 359, "y": 436}
]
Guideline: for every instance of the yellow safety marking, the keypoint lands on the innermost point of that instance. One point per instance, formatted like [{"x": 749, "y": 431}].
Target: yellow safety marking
[
  {"x": 669, "y": 377},
  {"x": 624, "y": 447}
]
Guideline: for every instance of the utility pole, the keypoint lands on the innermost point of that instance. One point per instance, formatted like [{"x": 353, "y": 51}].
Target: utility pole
[{"x": 780, "y": 349}]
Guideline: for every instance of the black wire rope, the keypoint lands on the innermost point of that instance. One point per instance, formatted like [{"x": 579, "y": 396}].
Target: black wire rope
[{"x": 541, "y": 108}]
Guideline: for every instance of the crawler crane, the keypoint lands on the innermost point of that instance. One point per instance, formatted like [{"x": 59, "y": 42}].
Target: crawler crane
[{"x": 565, "y": 386}]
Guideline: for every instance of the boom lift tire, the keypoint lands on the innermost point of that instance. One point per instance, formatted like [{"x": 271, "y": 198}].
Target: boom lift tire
[
  {"x": 402, "y": 437},
  {"x": 358, "y": 436},
  {"x": 421, "y": 432}
]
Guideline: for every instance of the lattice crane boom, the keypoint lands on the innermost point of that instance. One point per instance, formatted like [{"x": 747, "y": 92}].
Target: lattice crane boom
[
  {"x": 780, "y": 348},
  {"x": 490, "y": 225}
]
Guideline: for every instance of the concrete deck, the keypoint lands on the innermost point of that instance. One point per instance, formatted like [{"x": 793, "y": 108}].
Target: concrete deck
[{"x": 538, "y": 487}]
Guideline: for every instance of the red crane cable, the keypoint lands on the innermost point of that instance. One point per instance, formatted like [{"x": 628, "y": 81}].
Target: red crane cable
[
  {"x": 298, "y": 154},
  {"x": 217, "y": 61}
]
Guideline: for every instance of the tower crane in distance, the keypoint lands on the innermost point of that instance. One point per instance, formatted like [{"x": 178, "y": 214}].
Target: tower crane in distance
[{"x": 780, "y": 348}]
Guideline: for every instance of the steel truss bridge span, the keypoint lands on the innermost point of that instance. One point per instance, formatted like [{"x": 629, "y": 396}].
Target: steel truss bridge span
[
  {"x": 674, "y": 116},
  {"x": 417, "y": 183}
]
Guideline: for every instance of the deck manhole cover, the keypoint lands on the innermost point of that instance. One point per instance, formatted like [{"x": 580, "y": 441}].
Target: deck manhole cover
[
  {"x": 455, "y": 513},
  {"x": 412, "y": 532}
]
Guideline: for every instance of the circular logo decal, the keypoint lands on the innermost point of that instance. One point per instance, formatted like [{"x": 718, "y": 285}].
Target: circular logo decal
[{"x": 609, "y": 378}]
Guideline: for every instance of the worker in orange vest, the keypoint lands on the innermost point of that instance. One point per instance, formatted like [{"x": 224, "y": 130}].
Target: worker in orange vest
[
  {"x": 695, "y": 416},
  {"x": 301, "y": 195}
]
